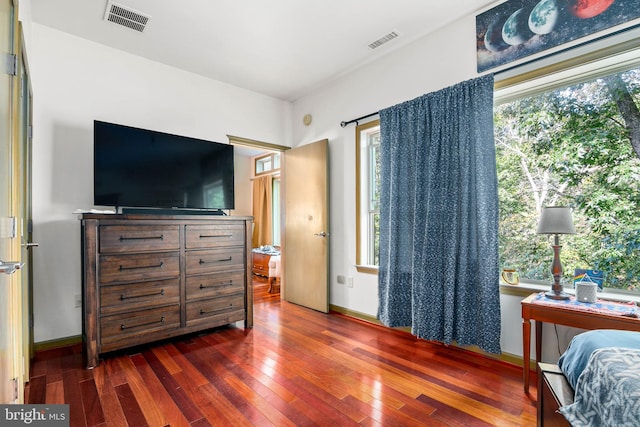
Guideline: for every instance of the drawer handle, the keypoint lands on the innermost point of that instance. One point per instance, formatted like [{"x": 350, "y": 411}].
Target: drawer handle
[
  {"x": 123, "y": 327},
  {"x": 215, "y": 236},
  {"x": 217, "y": 285},
  {"x": 202, "y": 261},
  {"x": 160, "y": 237},
  {"x": 122, "y": 267},
  {"x": 124, "y": 297},
  {"x": 203, "y": 311}
]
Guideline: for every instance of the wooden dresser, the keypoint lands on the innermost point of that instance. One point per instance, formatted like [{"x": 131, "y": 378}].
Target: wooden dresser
[{"x": 151, "y": 277}]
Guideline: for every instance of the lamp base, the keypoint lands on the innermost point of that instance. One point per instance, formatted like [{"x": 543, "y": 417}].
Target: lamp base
[{"x": 561, "y": 295}]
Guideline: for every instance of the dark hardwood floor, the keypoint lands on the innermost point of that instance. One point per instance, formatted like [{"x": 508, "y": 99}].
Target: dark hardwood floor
[{"x": 296, "y": 367}]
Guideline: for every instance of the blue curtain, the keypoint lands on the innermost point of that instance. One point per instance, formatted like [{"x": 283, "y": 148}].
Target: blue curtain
[{"x": 439, "y": 217}]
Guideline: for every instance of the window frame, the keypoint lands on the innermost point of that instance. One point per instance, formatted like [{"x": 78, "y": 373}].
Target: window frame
[
  {"x": 579, "y": 69},
  {"x": 274, "y": 159},
  {"x": 364, "y": 189}
]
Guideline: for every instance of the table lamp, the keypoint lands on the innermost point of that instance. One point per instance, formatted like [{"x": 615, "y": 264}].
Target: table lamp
[{"x": 556, "y": 220}]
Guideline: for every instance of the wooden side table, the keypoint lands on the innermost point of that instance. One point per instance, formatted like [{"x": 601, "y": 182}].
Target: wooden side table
[{"x": 578, "y": 315}]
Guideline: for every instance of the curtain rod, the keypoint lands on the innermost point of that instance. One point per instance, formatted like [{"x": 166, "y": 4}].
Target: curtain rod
[{"x": 344, "y": 124}]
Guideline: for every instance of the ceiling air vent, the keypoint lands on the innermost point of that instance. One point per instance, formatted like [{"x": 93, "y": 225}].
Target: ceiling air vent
[
  {"x": 384, "y": 39},
  {"x": 125, "y": 16}
]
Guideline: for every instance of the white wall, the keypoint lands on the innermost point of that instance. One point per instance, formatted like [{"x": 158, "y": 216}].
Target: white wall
[{"x": 76, "y": 82}]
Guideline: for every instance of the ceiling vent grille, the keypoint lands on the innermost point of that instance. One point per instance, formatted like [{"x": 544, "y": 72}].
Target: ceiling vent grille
[
  {"x": 382, "y": 40},
  {"x": 125, "y": 16}
]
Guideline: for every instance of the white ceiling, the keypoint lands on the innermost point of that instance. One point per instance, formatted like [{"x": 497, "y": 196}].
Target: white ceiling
[{"x": 280, "y": 48}]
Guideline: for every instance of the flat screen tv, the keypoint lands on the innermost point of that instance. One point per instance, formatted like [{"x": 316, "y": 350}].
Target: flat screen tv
[{"x": 138, "y": 168}]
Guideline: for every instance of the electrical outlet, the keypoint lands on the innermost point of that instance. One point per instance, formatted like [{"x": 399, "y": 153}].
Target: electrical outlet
[
  {"x": 77, "y": 300},
  {"x": 341, "y": 279},
  {"x": 350, "y": 282}
]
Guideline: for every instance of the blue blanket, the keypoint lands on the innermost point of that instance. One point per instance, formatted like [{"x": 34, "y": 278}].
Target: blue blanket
[
  {"x": 608, "y": 390},
  {"x": 575, "y": 358}
]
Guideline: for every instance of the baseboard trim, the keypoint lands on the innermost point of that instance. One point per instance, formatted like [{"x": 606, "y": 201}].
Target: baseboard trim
[
  {"x": 509, "y": 358},
  {"x": 57, "y": 343}
]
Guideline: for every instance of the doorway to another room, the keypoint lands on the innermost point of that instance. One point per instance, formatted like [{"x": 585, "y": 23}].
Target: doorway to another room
[
  {"x": 266, "y": 205},
  {"x": 258, "y": 185},
  {"x": 295, "y": 270}
]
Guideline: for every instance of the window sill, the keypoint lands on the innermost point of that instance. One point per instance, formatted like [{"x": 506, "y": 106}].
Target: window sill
[{"x": 368, "y": 269}]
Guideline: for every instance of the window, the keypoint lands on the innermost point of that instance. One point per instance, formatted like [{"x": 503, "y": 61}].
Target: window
[
  {"x": 368, "y": 196},
  {"x": 574, "y": 143},
  {"x": 268, "y": 163}
]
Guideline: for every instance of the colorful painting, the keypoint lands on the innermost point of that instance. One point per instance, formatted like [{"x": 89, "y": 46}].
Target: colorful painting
[
  {"x": 516, "y": 29},
  {"x": 594, "y": 276}
]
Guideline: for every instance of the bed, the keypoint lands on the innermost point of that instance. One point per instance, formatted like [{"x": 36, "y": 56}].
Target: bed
[{"x": 595, "y": 383}]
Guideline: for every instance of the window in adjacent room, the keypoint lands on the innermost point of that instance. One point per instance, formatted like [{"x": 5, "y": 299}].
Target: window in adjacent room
[
  {"x": 573, "y": 142},
  {"x": 267, "y": 164},
  {"x": 368, "y": 196}
]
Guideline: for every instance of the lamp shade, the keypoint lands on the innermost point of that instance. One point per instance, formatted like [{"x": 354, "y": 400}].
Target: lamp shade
[{"x": 556, "y": 220}]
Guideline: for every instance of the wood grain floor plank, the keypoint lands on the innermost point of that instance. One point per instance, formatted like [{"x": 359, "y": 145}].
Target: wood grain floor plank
[
  {"x": 167, "y": 360},
  {"x": 222, "y": 408},
  {"x": 158, "y": 389},
  {"x": 130, "y": 406},
  {"x": 453, "y": 416},
  {"x": 148, "y": 403},
  {"x": 55, "y": 393},
  {"x": 108, "y": 397},
  {"x": 186, "y": 368},
  {"x": 164, "y": 379},
  {"x": 91, "y": 403},
  {"x": 72, "y": 393},
  {"x": 38, "y": 389}
]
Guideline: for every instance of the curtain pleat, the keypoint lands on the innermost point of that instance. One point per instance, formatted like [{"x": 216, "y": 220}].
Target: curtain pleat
[
  {"x": 261, "y": 211},
  {"x": 438, "y": 268}
]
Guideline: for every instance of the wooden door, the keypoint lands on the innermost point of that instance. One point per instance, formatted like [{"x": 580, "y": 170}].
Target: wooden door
[
  {"x": 25, "y": 230},
  {"x": 306, "y": 230},
  {"x": 9, "y": 348}
]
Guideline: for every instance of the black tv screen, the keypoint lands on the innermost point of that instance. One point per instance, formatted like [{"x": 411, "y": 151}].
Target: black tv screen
[{"x": 146, "y": 169}]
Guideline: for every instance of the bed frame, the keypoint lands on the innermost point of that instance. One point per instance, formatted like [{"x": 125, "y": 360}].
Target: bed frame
[{"x": 553, "y": 392}]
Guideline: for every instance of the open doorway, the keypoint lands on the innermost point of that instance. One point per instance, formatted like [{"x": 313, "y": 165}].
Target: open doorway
[
  {"x": 258, "y": 194},
  {"x": 266, "y": 207}
]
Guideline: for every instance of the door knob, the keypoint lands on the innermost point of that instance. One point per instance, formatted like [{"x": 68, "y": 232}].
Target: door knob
[
  {"x": 31, "y": 245},
  {"x": 322, "y": 234}
]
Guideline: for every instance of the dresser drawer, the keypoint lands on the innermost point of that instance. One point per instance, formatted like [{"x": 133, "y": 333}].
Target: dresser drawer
[
  {"x": 138, "y": 323},
  {"x": 137, "y": 267},
  {"x": 137, "y": 238},
  {"x": 216, "y": 284},
  {"x": 213, "y": 236},
  {"x": 216, "y": 311},
  {"x": 139, "y": 295},
  {"x": 260, "y": 263},
  {"x": 213, "y": 260}
]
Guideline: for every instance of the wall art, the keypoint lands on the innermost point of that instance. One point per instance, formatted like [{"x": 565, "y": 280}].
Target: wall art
[{"x": 516, "y": 29}]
